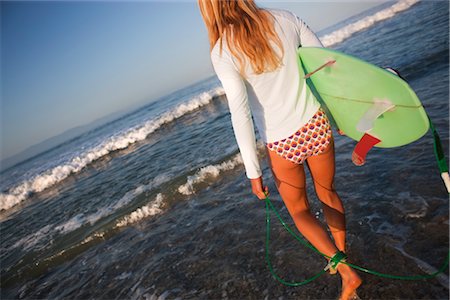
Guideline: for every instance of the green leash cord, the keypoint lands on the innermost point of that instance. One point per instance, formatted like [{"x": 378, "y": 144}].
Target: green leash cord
[
  {"x": 270, "y": 207},
  {"x": 443, "y": 168}
]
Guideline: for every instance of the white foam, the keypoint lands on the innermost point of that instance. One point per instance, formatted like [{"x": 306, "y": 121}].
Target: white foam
[
  {"x": 72, "y": 224},
  {"x": 79, "y": 220},
  {"x": 151, "y": 209},
  {"x": 31, "y": 240},
  {"x": 95, "y": 235},
  {"x": 210, "y": 171},
  {"x": 347, "y": 31},
  {"x": 48, "y": 178}
]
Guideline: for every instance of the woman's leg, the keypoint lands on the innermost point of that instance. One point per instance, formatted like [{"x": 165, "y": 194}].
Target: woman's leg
[
  {"x": 291, "y": 184},
  {"x": 322, "y": 169}
]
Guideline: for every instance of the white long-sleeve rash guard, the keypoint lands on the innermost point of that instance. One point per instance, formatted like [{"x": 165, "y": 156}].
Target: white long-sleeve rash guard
[{"x": 279, "y": 101}]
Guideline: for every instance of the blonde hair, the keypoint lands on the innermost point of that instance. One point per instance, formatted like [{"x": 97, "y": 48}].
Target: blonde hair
[{"x": 248, "y": 31}]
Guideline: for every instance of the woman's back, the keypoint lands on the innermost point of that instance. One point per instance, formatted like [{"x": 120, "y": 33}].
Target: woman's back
[{"x": 279, "y": 101}]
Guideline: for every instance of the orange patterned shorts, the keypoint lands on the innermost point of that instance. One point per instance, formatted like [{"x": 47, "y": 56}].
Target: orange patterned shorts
[{"x": 311, "y": 139}]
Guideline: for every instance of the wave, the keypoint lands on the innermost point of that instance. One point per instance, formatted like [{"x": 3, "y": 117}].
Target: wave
[
  {"x": 48, "y": 232},
  {"x": 347, "y": 31},
  {"x": 210, "y": 171},
  {"x": 151, "y": 209},
  {"x": 53, "y": 176},
  {"x": 29, "y": 267},
  {"x": 38, "y": 240},
  {"x": 30, "y": 241},
  {"x": 44, "y": 237}
]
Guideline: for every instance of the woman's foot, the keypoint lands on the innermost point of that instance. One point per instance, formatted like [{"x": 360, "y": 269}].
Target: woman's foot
[{"x": 350, "y": 282}]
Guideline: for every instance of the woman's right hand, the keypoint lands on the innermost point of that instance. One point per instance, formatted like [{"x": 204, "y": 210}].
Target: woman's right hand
[{"x": 259, "y": 189}]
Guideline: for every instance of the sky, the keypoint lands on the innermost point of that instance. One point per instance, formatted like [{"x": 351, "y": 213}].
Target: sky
[{"x": 69, "y": 63}]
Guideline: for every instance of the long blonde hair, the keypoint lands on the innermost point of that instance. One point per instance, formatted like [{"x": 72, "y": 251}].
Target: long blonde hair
[{"x": 247, "y": 29}]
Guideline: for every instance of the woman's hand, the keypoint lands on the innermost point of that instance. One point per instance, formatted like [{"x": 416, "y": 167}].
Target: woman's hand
[{"x": 259, "y": 189}]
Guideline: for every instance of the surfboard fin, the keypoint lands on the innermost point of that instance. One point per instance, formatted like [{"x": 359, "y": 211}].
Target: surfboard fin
[{"x": 362, "y": 148}]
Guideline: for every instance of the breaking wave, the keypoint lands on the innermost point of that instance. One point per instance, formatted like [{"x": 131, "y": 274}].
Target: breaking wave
[
  {"x": 151, "y": 209},
  {"x": 345, "y": 32},
  {"x": 210, "y": 171},
  {"x": 45, "y": 236},
  {"x": 51, "y": 177}
]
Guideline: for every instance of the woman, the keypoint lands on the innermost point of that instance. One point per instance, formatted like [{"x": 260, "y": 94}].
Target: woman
[{"x": 253, "y": 52}]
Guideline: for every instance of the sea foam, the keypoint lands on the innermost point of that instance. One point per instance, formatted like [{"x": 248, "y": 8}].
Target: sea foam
[
  {"x": 51, "y": 177},
  {"x": 345, "y": 32},
  {"x": 151, "y": 209},
  {"x": 210, "y": 171},
  {"x": 40, "y": 238},
  {"x": 44, "y": 237}
]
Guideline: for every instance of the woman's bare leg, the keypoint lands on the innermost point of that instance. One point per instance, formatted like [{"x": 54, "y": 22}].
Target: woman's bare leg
[
  {"x": 291, "y": 184},
  {"x": 322, "y": 168}
]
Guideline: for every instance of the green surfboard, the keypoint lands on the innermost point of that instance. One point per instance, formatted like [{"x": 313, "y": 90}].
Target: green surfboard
[{"x": 363, "y": 98}]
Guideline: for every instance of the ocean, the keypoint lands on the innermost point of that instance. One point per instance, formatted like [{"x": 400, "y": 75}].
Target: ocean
[{"x": 156, "y": 204}]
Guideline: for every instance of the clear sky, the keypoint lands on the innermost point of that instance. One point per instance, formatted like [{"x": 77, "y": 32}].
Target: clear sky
[{"x": 65, "y": 64}]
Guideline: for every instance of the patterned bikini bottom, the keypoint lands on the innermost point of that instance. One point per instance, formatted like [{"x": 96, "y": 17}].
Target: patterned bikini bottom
[{"x": 311, "y": 139}]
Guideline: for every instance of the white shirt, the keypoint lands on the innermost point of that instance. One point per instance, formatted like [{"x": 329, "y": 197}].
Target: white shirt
[{"x": 279, "y": 101}]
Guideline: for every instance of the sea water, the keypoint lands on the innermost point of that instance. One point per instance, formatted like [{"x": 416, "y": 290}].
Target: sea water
[{"x": 156, "y": 204}]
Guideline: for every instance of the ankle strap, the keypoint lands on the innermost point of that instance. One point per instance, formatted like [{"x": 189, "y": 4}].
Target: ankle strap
[{"x": 335, "y": 260}]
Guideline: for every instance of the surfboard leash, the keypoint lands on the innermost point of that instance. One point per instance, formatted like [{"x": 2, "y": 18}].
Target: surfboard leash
[{"x": 270, "y": 207}]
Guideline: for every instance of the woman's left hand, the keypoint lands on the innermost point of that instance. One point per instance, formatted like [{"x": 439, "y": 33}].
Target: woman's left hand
[{"x": 259, "y": 189}]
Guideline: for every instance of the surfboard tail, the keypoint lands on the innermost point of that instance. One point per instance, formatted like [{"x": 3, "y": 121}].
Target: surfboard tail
[
  {"x": 446, "y": 178},
  {"x": 440, "y": 157}
]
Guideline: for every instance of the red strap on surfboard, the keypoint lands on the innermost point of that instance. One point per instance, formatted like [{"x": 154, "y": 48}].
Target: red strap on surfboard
[{"x": 362, "y": 148}]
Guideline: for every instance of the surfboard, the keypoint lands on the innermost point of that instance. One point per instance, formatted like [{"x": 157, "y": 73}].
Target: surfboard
[
  {"x": 363, "y": 98},
  {"x": 374, "y": 106}
]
